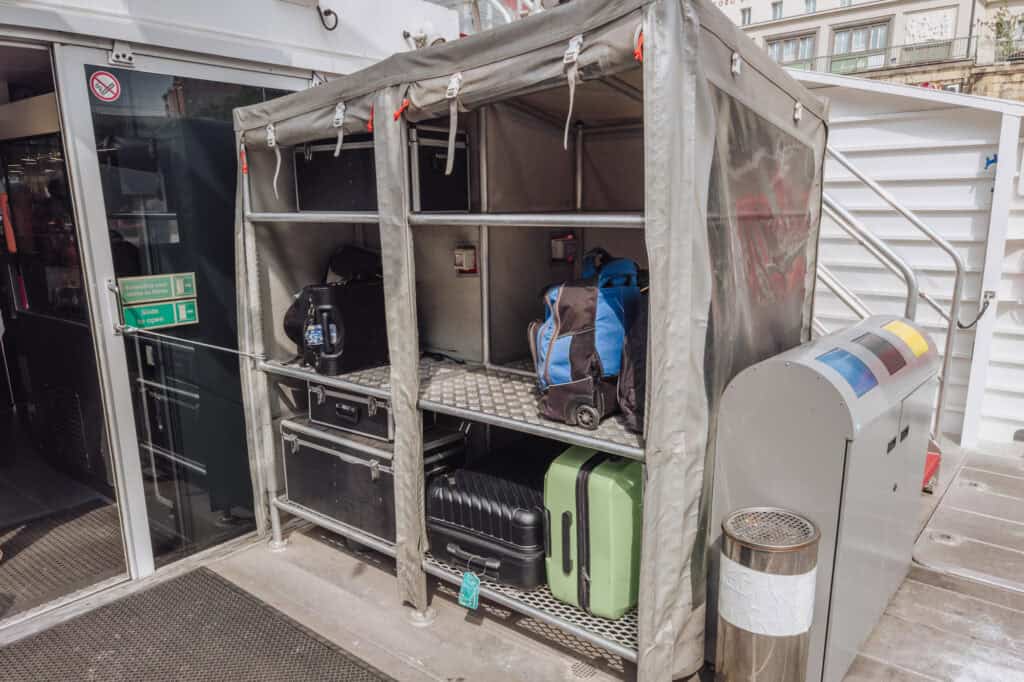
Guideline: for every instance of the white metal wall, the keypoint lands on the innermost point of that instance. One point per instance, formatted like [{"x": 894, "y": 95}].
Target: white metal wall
[{"x": 938, "y": 157}]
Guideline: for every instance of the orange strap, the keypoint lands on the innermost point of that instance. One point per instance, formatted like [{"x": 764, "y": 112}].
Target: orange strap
[
  {"x": 638, "y": 51},
  {"x": 401, "y": 109},
  {"x": 369, "y": 124},
  {"x": 245, "y": 161},
  {"x": 8, "y": 227}
]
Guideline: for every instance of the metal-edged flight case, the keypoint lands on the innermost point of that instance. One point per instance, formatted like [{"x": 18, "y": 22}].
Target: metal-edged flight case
[
  {"x": 362, "y": 414},
  {"x": 349, "y": 478}
]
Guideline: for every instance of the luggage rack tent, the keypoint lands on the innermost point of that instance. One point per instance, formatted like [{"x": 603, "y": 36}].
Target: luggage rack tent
[{"x": 715, "y": 186}]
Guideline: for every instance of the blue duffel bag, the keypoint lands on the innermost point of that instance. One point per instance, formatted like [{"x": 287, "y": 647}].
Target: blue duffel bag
[{"x": 577, "y": 348}]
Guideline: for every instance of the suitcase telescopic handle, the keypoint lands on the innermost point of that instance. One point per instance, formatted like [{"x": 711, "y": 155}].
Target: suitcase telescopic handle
[
  {"x": 567, "y": 542},
  {"x": 470, "y": 559}
]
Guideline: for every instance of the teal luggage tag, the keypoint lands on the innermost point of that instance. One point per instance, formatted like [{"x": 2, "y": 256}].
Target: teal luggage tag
[{"x": 469, "y": 592}]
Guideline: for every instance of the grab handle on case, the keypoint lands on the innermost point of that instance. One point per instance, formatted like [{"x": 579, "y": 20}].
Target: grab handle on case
[
  {"x": 470, "y": 559},
  {"x": 348, "y": 413},
  {"x": 566, "y": 542},
  {"x": 547, "y": 532}
]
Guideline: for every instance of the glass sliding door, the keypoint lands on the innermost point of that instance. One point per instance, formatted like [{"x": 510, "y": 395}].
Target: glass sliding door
[
  {"x": 161, "y": 142},
  {"x": 60, "y": 530}
]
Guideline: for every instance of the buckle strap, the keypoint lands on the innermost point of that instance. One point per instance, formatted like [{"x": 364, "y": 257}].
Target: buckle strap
[
  {"x": 571, "y": 62},
  {"x": 339, "y": 123},
  {"x": 452, "y": 95},
  {"x": 272, "y": 143}
]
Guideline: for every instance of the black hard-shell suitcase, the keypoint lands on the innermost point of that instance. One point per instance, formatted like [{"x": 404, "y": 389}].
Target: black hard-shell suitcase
[{"x": 488, "y": 525}]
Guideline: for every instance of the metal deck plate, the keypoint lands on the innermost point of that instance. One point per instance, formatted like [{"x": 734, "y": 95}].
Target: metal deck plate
[
  {"x": 618, "y": 636},
  {"x": 470, "y": 390},
  {"x": 196, "y": 627}
]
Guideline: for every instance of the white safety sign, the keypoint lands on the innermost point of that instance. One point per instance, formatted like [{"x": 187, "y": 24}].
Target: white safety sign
[{"x": 105, "y": 86}]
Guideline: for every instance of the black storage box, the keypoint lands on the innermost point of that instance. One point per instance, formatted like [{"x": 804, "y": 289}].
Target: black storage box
[
  {"x": 361, "y": 414},
  {"x": 348, "y": 182},
  {"x": 488, "y": 525},
  {"x": 349, "y": 478}
]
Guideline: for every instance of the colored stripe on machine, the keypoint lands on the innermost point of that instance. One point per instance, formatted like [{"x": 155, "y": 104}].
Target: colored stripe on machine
[
  {"x": 851, "y": 368},
  {"x": 910, "y": 336},
  {"x": 890, "y": 356}
]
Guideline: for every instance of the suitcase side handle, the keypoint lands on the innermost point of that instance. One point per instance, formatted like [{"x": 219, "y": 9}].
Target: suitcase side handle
[
  {"x": 567, "y": 542},
  {"x": 470, "y": 559},
  {"x": 547, "y": 532}
]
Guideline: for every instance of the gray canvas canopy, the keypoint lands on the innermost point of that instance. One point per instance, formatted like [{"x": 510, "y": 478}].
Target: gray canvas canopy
[{"x": 722, "y": 169}]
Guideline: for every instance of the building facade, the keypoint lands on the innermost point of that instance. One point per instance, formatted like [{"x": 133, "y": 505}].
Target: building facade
[{"x": 973, "y": 46}]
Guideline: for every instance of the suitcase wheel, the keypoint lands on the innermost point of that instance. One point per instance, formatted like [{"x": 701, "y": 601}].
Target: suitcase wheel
[{"x": 587, "y": 416}]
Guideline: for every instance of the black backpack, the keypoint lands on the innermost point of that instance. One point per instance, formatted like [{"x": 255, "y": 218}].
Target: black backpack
[{"x": 632, "y": 387}]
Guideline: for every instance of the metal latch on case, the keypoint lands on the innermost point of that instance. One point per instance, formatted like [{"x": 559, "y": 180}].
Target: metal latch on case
[
  {"x": 292, "y": 441},
  {"x": 371, "y": 407},
  {"x": 374, "y": 470},
  {"x": 318, "y": 392}
]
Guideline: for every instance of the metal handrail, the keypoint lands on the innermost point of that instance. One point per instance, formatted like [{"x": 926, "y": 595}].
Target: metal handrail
[
  {"x": 843, "y": 293},
  {"x": 879, "y": 249},
  {"x": 953, "y": 318}
]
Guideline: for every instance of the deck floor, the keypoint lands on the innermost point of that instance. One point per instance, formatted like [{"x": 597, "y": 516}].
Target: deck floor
[{"x": 941, "y": 624}]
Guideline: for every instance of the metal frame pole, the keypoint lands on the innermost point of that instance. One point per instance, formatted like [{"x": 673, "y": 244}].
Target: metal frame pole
[
  {"x": 483, "y": 263},
  {"x": 263, "y": 439}
]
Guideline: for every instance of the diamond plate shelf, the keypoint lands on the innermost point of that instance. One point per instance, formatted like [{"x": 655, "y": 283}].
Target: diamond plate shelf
[
  {"x": 617, "y": 636},
  {"x": 476, "y": 393}
]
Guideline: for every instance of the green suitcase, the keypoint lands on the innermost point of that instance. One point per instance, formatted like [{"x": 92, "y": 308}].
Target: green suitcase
[{"x": 593, "y": 501}]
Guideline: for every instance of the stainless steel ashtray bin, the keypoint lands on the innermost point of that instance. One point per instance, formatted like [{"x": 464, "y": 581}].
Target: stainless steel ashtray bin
[{"x": 765, "y": 595}]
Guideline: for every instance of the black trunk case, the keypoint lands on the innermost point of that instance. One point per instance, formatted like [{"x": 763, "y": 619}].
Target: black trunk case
[{"x": 349, "y": 478}]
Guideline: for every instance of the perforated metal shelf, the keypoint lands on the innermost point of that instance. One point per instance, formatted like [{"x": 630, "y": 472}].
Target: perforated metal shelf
[
  {"x": 476, "y": 393},
  {"x": 617, "y": 636}
]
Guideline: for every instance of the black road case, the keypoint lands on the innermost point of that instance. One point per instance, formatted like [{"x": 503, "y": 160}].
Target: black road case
[
  {"x": 362, "y": 414},
  {"x": 349, "y": 478},
  {"x": 348, "y": 182}
]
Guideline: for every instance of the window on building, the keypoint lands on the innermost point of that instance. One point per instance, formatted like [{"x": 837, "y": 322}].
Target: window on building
[
  {"x": 810, "y": 6},
  {"x": 745, "y": 16},
  {"x": 796, "y": 52},
  {"x": 776, "y": 10},
  {"x": 860, "y": 48}
]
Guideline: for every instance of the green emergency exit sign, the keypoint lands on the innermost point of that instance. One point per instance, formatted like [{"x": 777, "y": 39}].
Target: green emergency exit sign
[
  {"x": 165, "y": 314},
  {"x": 157, "y": 287}
]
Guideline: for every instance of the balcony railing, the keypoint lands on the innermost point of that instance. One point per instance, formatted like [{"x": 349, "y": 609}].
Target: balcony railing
[
  {"x": 916, "y": 54},
  {"x": 1009, "y": 51}
]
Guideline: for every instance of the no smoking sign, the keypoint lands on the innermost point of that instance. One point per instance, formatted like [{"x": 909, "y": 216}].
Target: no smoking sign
[{"x": 104, "y": 86}]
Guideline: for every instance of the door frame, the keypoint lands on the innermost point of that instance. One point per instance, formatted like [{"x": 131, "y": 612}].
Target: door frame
[{"x": 70, "y": 62}]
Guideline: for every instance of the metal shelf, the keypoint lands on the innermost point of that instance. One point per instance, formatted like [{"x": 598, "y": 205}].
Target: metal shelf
[
  {"x": 568, "y": 219},
  {"x": 327, "y": 523},
  {"x": 480, "y": 394},
  {"x": 374, "y": 382},
  {"x": 617, "y": 636},
  {"x": 356, "y": 217}
]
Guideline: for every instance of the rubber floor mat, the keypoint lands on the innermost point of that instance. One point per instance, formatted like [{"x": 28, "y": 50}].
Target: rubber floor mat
[
  {"x": 196, "y": 627},
  {"x": 53, "y": 556}
]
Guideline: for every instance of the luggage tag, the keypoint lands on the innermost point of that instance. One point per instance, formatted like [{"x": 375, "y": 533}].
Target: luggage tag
[{"x": 469, "y": 592}]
